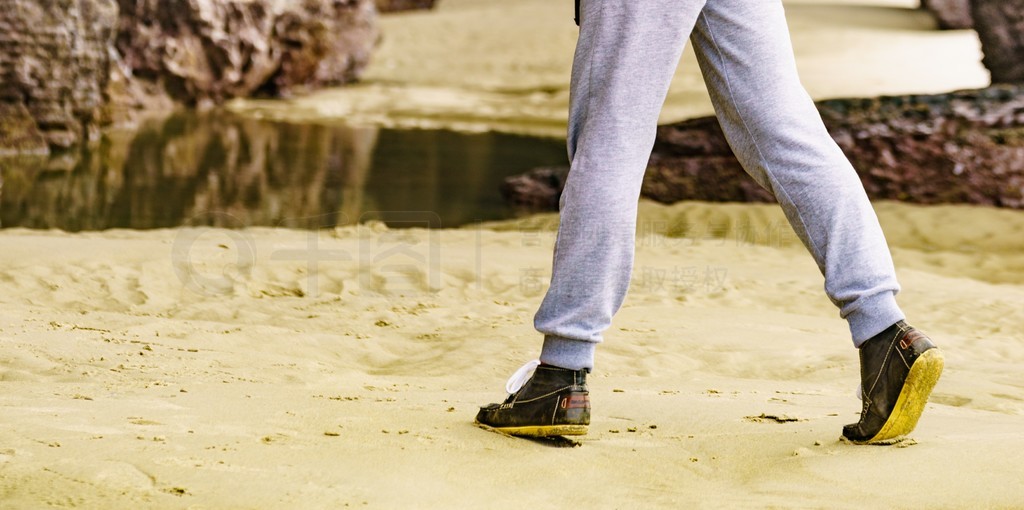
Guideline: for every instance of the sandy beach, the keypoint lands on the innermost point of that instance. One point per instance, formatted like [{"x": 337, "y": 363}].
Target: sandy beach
[
  {"x": 205, "y": 369},
  {"x": 505, "y": 65},
  {"x": 275, "y": 368}
]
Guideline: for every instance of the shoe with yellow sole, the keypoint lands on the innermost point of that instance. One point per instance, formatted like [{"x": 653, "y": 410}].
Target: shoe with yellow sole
[
  {"x": 899, "y": 367},
  {"x": 552, "y": 402}
]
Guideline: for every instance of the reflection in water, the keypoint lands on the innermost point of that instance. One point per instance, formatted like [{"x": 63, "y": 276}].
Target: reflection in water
[{"x": 225, "y": 170}]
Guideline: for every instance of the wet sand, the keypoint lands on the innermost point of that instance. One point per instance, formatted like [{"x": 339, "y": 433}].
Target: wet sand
[{"x": 485, "y": 65}]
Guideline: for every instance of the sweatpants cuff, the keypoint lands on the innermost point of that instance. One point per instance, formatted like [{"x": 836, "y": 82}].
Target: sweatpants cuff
[
  {"x": 873, "y": 316},
  {"x": 568, "y": 353}
]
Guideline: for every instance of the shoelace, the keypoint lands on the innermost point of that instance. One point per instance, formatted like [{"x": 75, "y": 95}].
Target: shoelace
[{"x": 518, "y": 379}]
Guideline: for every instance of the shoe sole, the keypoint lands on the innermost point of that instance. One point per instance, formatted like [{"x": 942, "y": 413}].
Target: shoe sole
[
  {"x": 924, "y": 373},
  {"x": 541, "y": 430}
]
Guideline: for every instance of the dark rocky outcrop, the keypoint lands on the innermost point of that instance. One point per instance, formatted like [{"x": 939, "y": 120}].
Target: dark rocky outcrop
[
  {"x": 206, "y": 51},
  {"x": 536, "y": 190},
  {"x": 673, "y": 172},
  {"x": 71, "y": 67},
  {"x": 963, "y": 147},
  {"x": 951, "y": 14},
  {"x": 1000, "y": 26},
  {"x": 404, "y": 5},
  {"x": 55, "y": 68}
]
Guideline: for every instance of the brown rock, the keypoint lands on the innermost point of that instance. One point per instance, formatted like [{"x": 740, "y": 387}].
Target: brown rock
[
  {"x": 1000, "y": 26},
  {"x": 716, "y": 176},
  {"x": 54, "y": 62},
  {"x": 71, "y": 67},
  {"x": 712, "y": 178},
  {"x": 207, "y": 51},
  {"x": 963, "y": 147},
  {"x": 951, "y": 14},
  {"x": 19, "y": 133},
  {"x": 536, "y": 190}
]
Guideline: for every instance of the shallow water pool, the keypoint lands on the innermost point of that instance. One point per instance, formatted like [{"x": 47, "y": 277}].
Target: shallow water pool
[{"x": 226, "y": 170}]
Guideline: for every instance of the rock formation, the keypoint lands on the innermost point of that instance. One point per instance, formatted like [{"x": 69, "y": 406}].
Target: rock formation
[
  {"x": 55, "y": 68},
  {"x": 536, "y": 190},
  {"x": 1000, "y": 26},
  {"x": 963, "y": 147},
  {"x": 951, "y": 14},
  {"x": 206, "y": 51},
  {"x": 71, "y": 67}
]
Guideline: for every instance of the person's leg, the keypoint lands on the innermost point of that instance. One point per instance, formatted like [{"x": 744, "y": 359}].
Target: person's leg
[
  {"x": 625, "y": 59},
  {"x": 744, "y": 51},
  {"x": 627, "y": 53},
  {"x": 746, "y": 56}
]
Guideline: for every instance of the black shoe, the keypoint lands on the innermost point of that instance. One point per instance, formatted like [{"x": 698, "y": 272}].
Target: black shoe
[
  {"x": 553, "y": 402},
  {"x": 898, "y": 369}
]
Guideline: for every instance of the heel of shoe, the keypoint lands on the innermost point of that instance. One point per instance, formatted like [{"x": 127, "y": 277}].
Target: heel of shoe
[{"x": 923, "y": 376}]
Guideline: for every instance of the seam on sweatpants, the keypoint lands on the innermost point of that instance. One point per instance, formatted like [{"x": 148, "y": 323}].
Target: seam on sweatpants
[
  {"x": 757, "y": 147},
  {"x": 579, "y": 145},
  {"x": 589, "y": 103}
]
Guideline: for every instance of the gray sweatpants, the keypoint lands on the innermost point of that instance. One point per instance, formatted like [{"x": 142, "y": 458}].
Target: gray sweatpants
[{"x": 627, "y": 53}]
